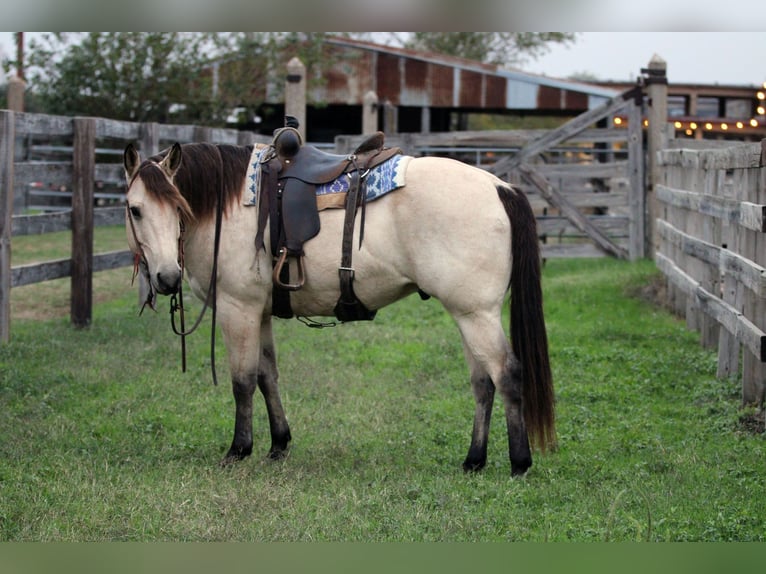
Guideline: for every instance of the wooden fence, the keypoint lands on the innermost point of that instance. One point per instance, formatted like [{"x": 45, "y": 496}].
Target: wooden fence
[
  {"x": 586, "y": 189},
  {"x": 711, "y": 224},
  {"x": 84, "y": 155},
  {"x": 80, "y": 173}
]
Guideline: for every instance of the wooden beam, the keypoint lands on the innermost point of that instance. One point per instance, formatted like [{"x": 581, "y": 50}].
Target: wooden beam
[
  {"x": 581, "y": 222},
  {"x": 732, "y": 320},
  {"x": 83, "y": 170},
  {"x": 7, "y": 148},
  {"x": 748, "y": 215},
  {"x": 566, "y": 131}
]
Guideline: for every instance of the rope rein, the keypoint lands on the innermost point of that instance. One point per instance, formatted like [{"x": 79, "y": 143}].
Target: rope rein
[
  {"x": 177, "y": 302},
  {"x": 177, "y": 305}
]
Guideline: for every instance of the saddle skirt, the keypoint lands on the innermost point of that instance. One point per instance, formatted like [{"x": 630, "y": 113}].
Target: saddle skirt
[{"x": 381, "y": 179}]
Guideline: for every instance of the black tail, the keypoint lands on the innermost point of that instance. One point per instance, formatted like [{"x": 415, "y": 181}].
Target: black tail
[{"x": 528, "y": 336}]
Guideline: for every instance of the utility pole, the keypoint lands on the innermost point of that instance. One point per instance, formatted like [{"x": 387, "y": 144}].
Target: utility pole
[{"x": 20, "y": 55}]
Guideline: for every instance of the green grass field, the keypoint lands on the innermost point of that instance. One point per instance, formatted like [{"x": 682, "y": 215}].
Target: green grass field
[{"x": 103, "y": 437}]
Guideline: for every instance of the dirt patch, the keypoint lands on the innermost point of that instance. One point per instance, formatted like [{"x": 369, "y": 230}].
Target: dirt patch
[
  {"x": 754, "y": 423},
  {"x": 654, "y": 292}
]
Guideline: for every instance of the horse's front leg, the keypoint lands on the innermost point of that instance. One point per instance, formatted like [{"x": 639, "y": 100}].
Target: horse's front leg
[
  {"x": 252, "y": 361},
  {"x": 268, "y": 376}
]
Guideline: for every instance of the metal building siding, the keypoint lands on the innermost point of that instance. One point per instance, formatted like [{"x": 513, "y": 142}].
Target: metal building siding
[
  {"x": 416, "y": 89},
  {"x": 389, "y": 79},
  {"x": 575, "y": 101},
  {"x": 442, "y": 85},
  {"x": 494, "y": 92},
  {"x": 471, "y": 93}
]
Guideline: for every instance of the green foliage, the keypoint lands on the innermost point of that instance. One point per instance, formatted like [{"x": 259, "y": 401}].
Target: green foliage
[
  {"x": 135, "y": 76},
  {"x": 169, "y": 77},
  {"x": 502, "y": 48},
  {"x": 103, "y": 438}
]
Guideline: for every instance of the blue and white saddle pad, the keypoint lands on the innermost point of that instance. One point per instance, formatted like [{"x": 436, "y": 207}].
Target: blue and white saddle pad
[{"x": 381, "y": 180}]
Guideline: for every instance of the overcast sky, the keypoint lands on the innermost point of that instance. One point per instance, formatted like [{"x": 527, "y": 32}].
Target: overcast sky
[{"x": 696, "y": 57}]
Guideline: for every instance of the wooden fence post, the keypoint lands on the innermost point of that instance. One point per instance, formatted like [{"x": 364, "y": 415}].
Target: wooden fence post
[
  {"x": 295, "y": 94},
  {"x": 16, "y": 89},
  {"x": 7, "y": 147},
  {"x": 370, "y": 113},
  {"x": 637, "y": 191},
  {"x": 150, "y": 139},
  {"x": 83, "y": 176},
  {"x": 657, "y": 88}
]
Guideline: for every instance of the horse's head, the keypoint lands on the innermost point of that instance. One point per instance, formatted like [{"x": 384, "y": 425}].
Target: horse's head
[{"x": 156, "y": 213}]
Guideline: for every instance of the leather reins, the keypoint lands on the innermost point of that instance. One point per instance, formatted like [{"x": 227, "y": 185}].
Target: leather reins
[{"x": 177, "y": 305}]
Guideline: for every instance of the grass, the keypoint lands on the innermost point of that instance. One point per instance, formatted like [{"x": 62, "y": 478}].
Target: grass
[{"x": 103, "y": 438}]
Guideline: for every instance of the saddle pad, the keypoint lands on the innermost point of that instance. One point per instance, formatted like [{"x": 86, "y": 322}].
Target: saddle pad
[{"x": 381, "y": 180}]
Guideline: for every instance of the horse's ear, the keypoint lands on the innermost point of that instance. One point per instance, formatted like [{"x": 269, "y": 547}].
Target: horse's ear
[
  {"x": 172, "y": 161},
  {"x": 130, "y": 161}
]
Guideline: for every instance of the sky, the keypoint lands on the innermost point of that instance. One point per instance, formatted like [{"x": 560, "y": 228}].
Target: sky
[
  {"x": 735, "y": 58},
  {"x": 731, "y": 58}
]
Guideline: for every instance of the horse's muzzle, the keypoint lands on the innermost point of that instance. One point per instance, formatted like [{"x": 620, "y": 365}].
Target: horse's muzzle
[{"x": 167, "y": 282}]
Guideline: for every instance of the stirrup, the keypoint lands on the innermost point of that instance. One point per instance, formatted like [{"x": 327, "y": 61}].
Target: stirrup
[{"x": 278, "y": 271}]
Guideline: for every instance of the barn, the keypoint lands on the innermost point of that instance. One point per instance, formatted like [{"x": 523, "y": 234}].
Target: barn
[{"x": 423, "y": 92}]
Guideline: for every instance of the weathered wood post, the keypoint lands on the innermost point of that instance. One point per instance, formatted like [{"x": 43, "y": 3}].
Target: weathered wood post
[
  {"x": 295, "y": 94},
  {"x": 7, "y": 145},
  {"x": 656, "y": 81},
  {"x": 16, "y": 89},
  {"x": 637, "y": 198},
  {"x": 83, "y": 176},
  {"x": 370, "y": 113},
  {"x": 390, "y": 117},
  {"x": 149, "y": 135}
]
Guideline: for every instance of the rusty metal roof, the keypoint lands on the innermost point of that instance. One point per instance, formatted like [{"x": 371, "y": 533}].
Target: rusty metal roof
[{"x": 406, "y": 77}]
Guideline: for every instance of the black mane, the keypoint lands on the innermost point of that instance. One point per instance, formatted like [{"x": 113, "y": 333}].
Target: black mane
[{"x": 205, "y": 168}]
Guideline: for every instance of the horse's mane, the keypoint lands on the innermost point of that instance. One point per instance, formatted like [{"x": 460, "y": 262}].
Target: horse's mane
[{"x": 205, "y": 171}]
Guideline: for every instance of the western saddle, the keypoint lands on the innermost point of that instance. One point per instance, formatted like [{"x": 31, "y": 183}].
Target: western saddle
[{"x": 291, "y": 173}]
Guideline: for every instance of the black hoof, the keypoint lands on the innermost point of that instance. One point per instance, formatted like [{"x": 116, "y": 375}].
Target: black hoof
[
  {"x": 521, "y": 468},
  {"x": 236, "y": 454},
  {"x": 278, "y": 454},
  {"x": 473, "y": 465}
]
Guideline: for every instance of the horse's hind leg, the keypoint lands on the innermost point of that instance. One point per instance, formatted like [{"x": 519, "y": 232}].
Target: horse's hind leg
[
  {"x": 484, "y": 394},
  {"x": 494, "y": 367},
  {"x": 510, "y": 385}
]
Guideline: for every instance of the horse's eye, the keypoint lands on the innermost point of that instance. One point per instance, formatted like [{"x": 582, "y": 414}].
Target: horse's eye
[{"x": 135, "y": 212}]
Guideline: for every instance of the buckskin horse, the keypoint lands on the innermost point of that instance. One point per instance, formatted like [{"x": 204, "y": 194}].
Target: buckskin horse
[{"x": 450, "y": 231}]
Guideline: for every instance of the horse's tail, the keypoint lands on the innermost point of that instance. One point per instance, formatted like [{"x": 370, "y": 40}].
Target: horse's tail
[{"x": 528, "y": 336}]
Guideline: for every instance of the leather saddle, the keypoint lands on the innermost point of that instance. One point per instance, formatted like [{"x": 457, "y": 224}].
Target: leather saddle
[{"x": 290, "y": 176}]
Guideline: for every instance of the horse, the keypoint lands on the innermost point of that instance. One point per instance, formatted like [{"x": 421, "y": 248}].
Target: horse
[{"x": 453, "y": 231}]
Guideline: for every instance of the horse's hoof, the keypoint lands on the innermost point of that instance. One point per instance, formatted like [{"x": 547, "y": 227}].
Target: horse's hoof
[
  {"x": 235, "y": 455},
  {"x": 278, "y": 454},
  {"x": 473, "y": 465},
  {"x": 520, "y": 469}
]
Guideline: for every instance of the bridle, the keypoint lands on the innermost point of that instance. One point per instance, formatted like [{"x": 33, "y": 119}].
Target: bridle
[{"x": 177, "y": 303}]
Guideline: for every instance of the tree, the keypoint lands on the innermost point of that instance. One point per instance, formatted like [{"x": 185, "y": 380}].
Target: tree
[
  {"x": 164, "y": 77},
  {"x": 501, "y": 48},
  {"x": 136, "y": 76}
]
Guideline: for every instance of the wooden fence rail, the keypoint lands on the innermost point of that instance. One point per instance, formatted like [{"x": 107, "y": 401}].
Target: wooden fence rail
[
  {"x": 712, "y": 228},
  {"x": 79, "y": 172}
]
